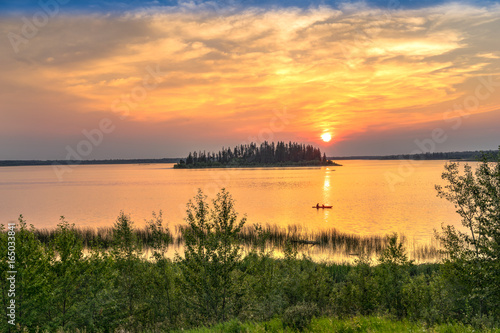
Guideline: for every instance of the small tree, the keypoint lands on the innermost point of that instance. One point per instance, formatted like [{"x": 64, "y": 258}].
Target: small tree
[
  {"x": 161, "y": 275},
  {"x": 395, "y": 253},
  {"x": 67, "y": 268},
  {"x": 392, "y": 273},
  {"x": 473, "y": 263},
  {"x": 97, "y": 310},
  {"x": 211, "y": 254},
  {"x": 126, "y": 253}
]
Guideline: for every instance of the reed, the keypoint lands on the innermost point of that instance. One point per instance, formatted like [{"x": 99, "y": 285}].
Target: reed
[
  {"x": 335, "y": 242},
  {"x": 331, "y": 242},
  {"x": 102, "y": 236}
]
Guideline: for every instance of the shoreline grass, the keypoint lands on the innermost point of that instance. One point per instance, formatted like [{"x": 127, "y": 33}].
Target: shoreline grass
[
  {"x": 329, "y": 242},
  {"x": 370, "y": 324}
]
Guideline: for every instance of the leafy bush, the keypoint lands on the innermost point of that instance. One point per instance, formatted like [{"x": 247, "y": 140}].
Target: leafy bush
[
  {"x": 299, "y": 316},
  {"x": 233, "y": 326},
  {"x": 357, "y": 295},
  {"x": 390, "y": 276}
]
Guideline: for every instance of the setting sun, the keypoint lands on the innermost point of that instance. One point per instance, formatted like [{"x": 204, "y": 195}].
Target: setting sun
[{"x": 326, "y": 137}]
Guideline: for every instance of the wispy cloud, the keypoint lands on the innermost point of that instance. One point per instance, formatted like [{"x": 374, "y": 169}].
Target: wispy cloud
[{"x": 345, "y": 70}]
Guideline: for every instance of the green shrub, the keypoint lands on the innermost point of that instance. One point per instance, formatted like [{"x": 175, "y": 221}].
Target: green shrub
[
  {"x": 299, "y": 316},
  {"x": 358, "y": 294},
  {"x": 233, "y": 326}
]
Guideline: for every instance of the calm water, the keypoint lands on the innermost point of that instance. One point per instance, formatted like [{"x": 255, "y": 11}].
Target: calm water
[{"x": 362, "y": 198}]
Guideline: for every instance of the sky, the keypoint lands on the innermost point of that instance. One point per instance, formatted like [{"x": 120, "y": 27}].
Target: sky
[{"x": 152, "y": 79}]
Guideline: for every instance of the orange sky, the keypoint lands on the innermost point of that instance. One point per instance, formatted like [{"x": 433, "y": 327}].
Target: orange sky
[{"x": 376, "y": 80}]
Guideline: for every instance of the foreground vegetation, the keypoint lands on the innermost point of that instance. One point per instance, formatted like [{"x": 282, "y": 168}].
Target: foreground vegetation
[
  {"x": 117, "y": 288},
  {"x": 62, "y": 286}
]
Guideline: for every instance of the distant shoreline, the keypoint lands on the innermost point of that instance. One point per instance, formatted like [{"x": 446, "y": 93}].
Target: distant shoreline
[
  {"x": 7, "y": 163},
  {"x": 464, "y": 156}
]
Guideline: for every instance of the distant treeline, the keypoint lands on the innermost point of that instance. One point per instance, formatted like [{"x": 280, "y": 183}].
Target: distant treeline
[
  {"x": 456, "y": 155},
  {"x": 267, "y": 154},
  {"x": 290, "y": 158},
  {"x": 87, "y": 162}
]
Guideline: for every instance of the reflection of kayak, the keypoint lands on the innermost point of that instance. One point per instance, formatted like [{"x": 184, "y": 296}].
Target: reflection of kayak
[{"x": 322, "y": 206}]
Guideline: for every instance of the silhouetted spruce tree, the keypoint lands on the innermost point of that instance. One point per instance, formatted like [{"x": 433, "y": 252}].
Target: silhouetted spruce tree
[{"x": 265, "y": 153}]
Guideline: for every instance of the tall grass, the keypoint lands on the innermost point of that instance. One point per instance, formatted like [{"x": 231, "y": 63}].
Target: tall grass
[
  {"x": 333, "y": 324},
  {"x": 102, "y": 236},
  {"x": 329, "y": 243},
  {"x": 336, "y": 243}
]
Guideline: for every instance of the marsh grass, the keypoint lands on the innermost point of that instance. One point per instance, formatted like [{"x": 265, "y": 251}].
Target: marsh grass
[
  {"x": 332, "y": 242},
  {"x": 329, "y": 243}
]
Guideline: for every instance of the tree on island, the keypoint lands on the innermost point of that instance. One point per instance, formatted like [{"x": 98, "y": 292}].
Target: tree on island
[{"x": 281, "y": 153}]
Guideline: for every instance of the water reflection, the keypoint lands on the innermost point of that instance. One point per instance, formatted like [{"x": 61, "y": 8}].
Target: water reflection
[{"x": 326, "y": 195}]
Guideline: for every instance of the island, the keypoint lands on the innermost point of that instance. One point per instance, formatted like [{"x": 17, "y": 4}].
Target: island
[{"x": 266, "y": 154}]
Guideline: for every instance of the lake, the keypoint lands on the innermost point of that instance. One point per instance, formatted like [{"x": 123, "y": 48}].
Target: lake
[{"x": 363, "y": 199}]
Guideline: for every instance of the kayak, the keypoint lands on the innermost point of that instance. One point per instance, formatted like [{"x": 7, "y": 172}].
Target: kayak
[{"x": 322, "y": 206}]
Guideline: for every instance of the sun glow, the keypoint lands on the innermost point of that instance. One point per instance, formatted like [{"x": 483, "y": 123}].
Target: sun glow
[
  {"x": 173, "y": 80},
  {"x": 326, "y": 137}
]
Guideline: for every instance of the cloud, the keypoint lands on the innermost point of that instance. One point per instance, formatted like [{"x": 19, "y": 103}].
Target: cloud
[{"x": 346, "y": 70}]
